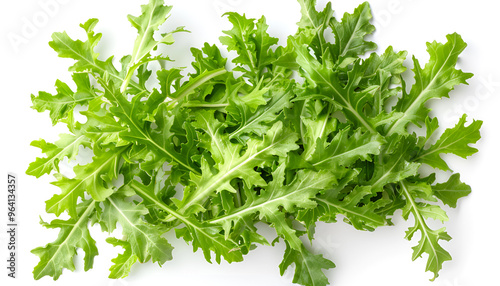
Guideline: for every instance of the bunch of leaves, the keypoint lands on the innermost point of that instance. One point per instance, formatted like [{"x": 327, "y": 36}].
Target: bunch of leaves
[{"x": 291, "y": 136}]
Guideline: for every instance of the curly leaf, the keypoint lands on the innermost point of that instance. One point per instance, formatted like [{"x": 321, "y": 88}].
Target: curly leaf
[
  {"x": 429, "y": 242},
  {"x": 454, "y": 140},
  {"x": 435, "y": 80},
  {"x": 74, "y": 234},
  {"x": 308, "y": 267},
  {"x": 277, "y": 142},
  {"x": 145, "y": 240},
  {"x": 94, "y": 178},
  {"x": 452, "y": 190},
  {"x": 277, "y": 198},
  {"x": 350, "y": 33},
  {"x": 123, "y": 262},
  {"x": 67, "y": 146},
  {"x": 202, "y": 235},
  {"x": 62, "y": 104}
]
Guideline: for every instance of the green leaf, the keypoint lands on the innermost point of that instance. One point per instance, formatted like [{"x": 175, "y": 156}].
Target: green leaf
[
  {"x": 435, "y": 80},
  {"x": 393, "y": 165},
  {"x": 252, "y": 43},
  {"x": 212, "y": 61},
  {"x": 123, "y": 262},
  {"x": 204, "y": 79},
  {"x": 389, "y": 62},
  {"x": 257, "y": 120},
  {"x": 100, "y": 127},
  {"x": 431, "y": 125},
  {"x": 308, "y": 267},
  {"x": 454, "y": 140},
  {"x": 286, "y": 136},
  {"x": 350, "y": 33},
  {"x": 168, "y": 79},
  {"x": 67, "y": 146},
  {"x": 74, "y": 234},
  {"x": 154, "y": 14},
  {"x": 429, "y": 242},
  {"x": 240, "y": 38},
  {"x": 94, "y": 178},
  {"x": 277, "y": 142},
  {"x": 132, "y": 114},
  {"x": 312, "y": 26},
  {"x": 345, "y": 149},
  {"x": 146, "y": 241},
  {"x": 348, "y": 97},
  {"x": 383, "y": 72},
  {"x": 63, "y": 103},
  {"x": 325, "y": 201},
  {"x": 452, "y": 190},
  {"x": 277, "y": 199},
  {"x": 202, "y": 235},
  {"x": 361, "y": 215},
  {"x": 82, "y": 52}
]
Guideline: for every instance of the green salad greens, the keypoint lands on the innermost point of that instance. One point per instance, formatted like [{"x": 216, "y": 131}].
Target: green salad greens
[{"x": 312, "y": 131}]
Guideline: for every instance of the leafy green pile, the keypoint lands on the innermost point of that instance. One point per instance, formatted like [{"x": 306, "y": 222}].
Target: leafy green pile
[{"x": 291, "y": 136}]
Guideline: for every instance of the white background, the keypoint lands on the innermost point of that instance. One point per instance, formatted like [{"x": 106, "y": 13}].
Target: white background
[{"x": 379, "y": 258}]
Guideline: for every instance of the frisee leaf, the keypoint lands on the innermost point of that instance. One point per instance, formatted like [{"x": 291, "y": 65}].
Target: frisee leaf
[
  {"x": 74, "y": 234},
  {"x": 454, "y": 140},
  {"x": 316, "y": 130}
]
